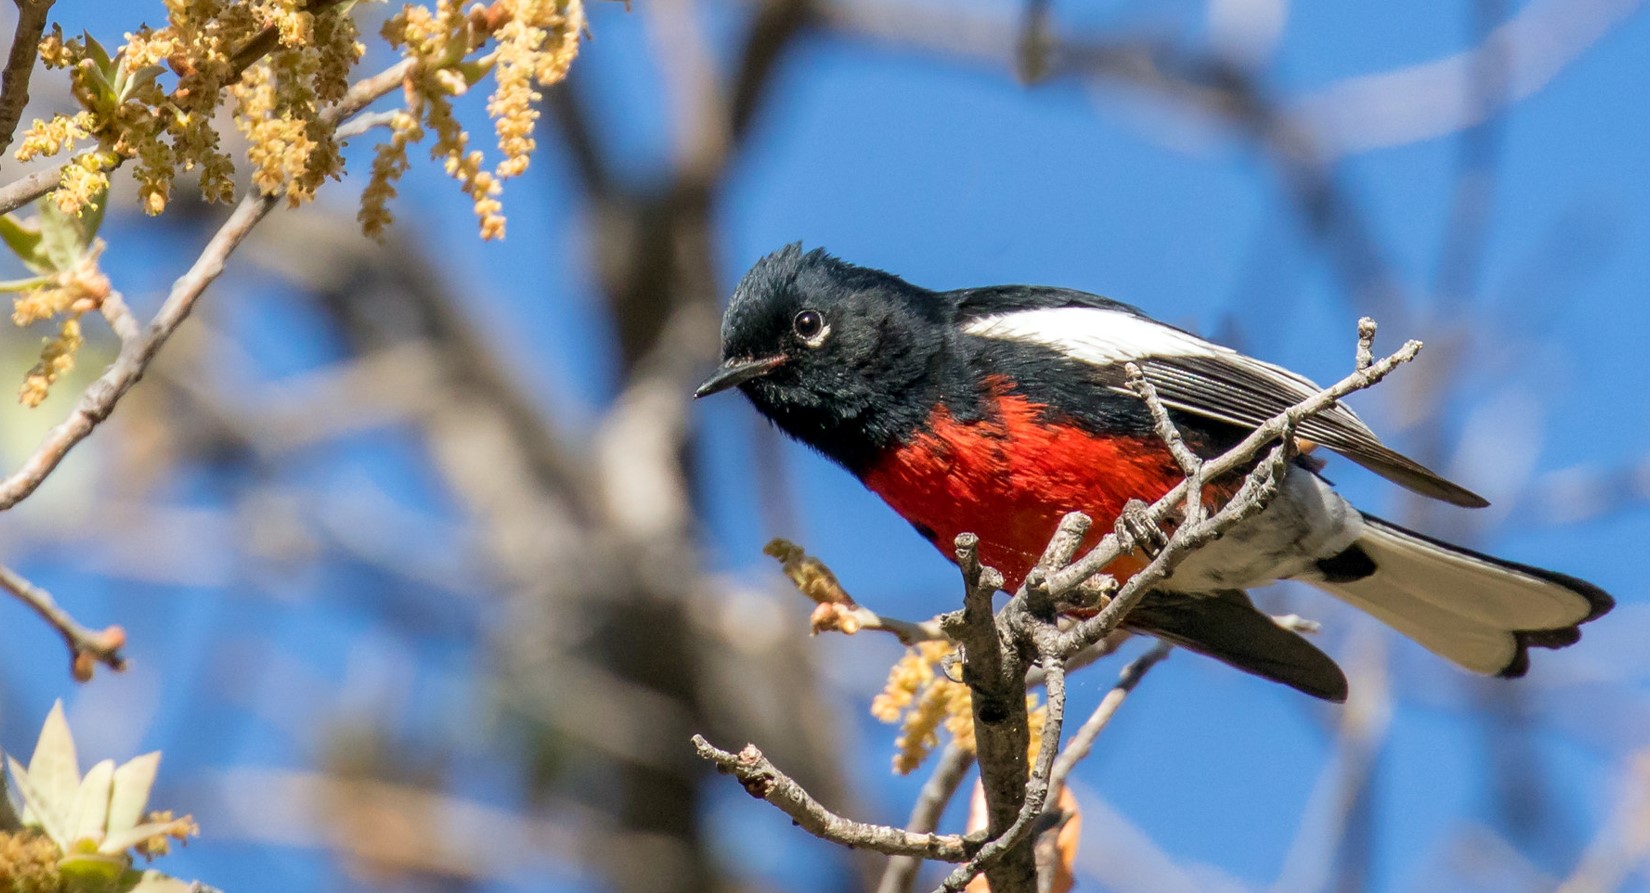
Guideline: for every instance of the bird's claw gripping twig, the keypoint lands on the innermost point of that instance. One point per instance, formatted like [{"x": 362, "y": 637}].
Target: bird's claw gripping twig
[{"x": 1137, "y": 532}]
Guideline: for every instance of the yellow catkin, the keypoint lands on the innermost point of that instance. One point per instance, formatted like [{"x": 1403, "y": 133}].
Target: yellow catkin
[
  {"x": 167, "y": 132},
  {"x": 28, "y": 864},
  {"x": 534, "y": 43},
  {"x": 56, "y": 360},
  {"x": 923, "y": 700}
]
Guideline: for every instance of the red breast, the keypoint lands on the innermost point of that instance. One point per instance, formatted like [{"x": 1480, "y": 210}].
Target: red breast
[{"x": 1011, "y": 476}]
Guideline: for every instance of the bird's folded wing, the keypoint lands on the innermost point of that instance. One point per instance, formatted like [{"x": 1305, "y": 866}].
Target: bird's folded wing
[
  {"x": 1230, "y": 387},
  {"x": 1197, "y": 376}
]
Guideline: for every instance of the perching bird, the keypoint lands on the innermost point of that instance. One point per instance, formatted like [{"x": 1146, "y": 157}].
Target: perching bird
[{"x": 997, "y": 410}]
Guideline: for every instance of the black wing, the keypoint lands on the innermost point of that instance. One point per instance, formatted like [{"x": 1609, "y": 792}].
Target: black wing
[
  {"x": 1233, "y": 388},
  {"x": 1191, "y": 375}
]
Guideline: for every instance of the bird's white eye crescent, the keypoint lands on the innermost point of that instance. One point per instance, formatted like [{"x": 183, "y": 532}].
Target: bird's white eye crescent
[{"x": 810, "y": 327}]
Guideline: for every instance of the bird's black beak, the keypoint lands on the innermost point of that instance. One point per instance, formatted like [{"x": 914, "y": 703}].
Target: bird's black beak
[{"x": 734, "y": 373}]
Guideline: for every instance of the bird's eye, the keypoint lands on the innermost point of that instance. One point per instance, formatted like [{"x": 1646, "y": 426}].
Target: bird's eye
[{"x": 810, "y": 327}]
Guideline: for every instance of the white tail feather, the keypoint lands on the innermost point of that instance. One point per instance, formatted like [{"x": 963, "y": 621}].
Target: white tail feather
[{"x": 1460, "y": 605}]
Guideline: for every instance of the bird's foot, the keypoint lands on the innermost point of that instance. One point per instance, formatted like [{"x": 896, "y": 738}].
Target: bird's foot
[{"x": 1137, "y": 532}]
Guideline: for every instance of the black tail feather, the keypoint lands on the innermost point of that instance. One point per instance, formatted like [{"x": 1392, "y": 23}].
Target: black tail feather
[{"x": 1226, "y": 626}]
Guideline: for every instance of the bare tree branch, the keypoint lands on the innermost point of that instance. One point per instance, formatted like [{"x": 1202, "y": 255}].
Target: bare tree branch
[
  {"x": 936, "y": 793},
  {"x": 763, "y": 780},
  {"x": 25, "y": 49},
  {"x": 1082, "y": 742},
  {"x": 86, "y": 646},
  {"x": 994, "y": 670},
  {"x": 100, "y": 399},
  {"x": 31, "y": 186},
  {"x": 137, "y": 351},
  {"x": 1035, "y": 790}
]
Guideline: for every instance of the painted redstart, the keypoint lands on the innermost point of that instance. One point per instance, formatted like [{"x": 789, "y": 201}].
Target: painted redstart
[{"x": 997, "y": 410}]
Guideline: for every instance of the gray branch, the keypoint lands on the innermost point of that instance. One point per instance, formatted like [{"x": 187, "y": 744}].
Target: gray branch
[{"x": 764, "y": 781}]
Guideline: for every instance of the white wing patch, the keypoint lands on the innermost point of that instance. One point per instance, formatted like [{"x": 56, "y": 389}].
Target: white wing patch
[
  {"x": 1113, "y": 337},
  {"x": 1094, "y": 335}
]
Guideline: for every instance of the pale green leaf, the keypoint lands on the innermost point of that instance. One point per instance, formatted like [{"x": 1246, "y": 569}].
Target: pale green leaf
[
  {"x": 91, "y": 808},
  {"x": 129, "y": 82},
  {"x": 24, "y": 241},
  {"x": 49, "y": 816},
  {"x": 61, "y": 241},
  {"x": 54, "y": 771},
  {"x": 12, "y": 286},
  {"x": 130, "y": 797},
  {"x": 99, "y": 56},
  {"x": 91, "y": 218}
]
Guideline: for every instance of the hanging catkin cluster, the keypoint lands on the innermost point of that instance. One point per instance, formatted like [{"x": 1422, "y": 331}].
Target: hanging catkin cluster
[
  {"x": 273, "y": 68},
  {"x": 534, "y": 42},
  {"x": 276, "y": 62}
]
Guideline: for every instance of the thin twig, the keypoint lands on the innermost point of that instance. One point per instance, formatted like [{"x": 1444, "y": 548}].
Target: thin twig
[
  {"x": 136, "y": 353},
  {"x": 1258, "y": 489},
  {"x": 25, "y": 49},
  {"x": 764, "y": 781},
  {"x": 1082, "y": 741},
  {"x": 1067, "y": 539},
  {"x": 1366, "y": 344},
  {"x": 31, "y": 186},
  {"x": 936, "y": 793},
  {"x": 835, "y": 610},
  {"x": 85, "y": 645},
  {"x": 1036, "y": 787},
  {"x": 1167, "y": 430},
  {"x": 1110, "y": 550}
]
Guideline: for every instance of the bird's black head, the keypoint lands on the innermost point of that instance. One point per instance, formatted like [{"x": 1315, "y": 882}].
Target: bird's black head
[{"x": 836, "y": 355}]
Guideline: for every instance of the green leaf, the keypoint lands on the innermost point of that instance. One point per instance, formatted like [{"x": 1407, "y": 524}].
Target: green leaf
[
  {"x": 54, "y": 771},
  {"x": 130, "y": 795},
  {"x": 62, "y": 240},
  {"x": 128, "y": 83},
  {"x": 10, "y": 286},
  {"x": 37, "y": 809},
  {"x": 91, "y": 218},
  {"x": 99, "y": 56},
  {"x": 93, "y": 870},
  {"x": 24, "y": 241},
  {"x": 474, "y": 70},
  {"x": 90, "y": 818}
]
